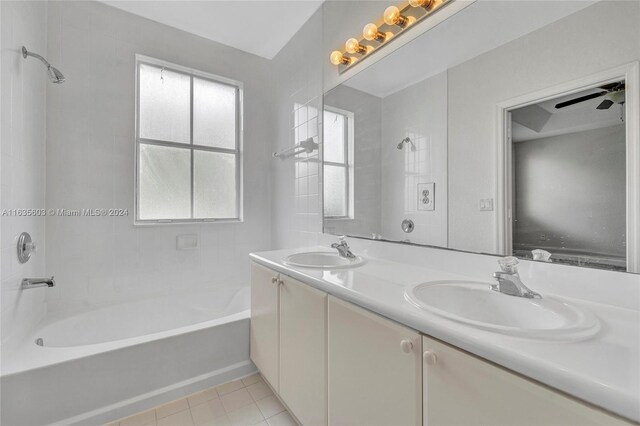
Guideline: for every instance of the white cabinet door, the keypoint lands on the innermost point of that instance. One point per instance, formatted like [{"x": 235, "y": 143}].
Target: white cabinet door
[
  {"x": 264, "y": 322},
  {"x": 461, "y": 389},
  {"x": 375, "y": 369},
  {"x": 303, "y": 351}
]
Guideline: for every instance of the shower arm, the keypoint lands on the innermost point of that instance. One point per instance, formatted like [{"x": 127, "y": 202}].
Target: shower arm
[{"x": 26, "y": 53}]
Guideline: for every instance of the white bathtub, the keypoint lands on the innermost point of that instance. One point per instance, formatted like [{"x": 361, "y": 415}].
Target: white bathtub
[{"x": 103, "y": 364}]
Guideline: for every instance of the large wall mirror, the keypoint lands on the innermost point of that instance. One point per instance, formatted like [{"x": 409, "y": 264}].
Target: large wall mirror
[{"x": 510, "y": 128}]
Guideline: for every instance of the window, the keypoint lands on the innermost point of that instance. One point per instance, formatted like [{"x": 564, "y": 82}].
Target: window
[
  {"x": 338, "y": 161},
  {"x": 188, "y": 136}
]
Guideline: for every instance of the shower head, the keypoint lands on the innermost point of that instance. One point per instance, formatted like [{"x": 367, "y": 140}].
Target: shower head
[{"x": 54, "y": 74}]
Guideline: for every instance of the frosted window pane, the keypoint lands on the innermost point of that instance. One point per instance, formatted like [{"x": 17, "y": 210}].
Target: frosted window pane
[
  {"x": 214, "y": 185},
  {"x": 334, "y": 137},
  {"x": 165, "y": 183},
  {"x": 214, "y": 114},
  {"x": 335, "y": 197},
  {"x": 164, "y": 104}
]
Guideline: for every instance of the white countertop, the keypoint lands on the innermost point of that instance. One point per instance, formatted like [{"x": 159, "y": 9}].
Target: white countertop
[{"x": 603, "y": 370}]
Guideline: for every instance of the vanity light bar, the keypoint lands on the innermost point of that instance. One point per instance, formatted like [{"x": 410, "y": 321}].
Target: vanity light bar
[{"x": 394, "y": 22}]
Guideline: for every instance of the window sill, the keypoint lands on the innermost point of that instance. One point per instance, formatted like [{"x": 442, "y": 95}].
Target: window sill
[{"x": 145, "y": 223}]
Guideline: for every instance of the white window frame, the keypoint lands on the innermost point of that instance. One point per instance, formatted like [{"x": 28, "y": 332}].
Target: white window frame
[
  {"x": 348, "y": 163},
  {"x": 191, "y": 147}
]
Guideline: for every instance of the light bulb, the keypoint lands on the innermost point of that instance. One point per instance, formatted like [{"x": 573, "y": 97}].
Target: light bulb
[
  {"x": 370, "y": 32},
  {"x": 427, "y": 4},
  {"x": 352, "y": 46},
  {"x": 392, "y": 16},
  {"x": 338, "y": 58}
]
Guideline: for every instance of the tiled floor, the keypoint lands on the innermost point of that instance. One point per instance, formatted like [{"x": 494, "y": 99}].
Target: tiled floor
[{"x": 248, "y": 401}]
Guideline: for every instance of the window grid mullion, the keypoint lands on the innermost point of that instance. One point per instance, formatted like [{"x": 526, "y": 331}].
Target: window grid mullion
[
  {"x": 191, "y": 145},
  {"x": 345, "y": 146},
  {"x": 187, "y": 146}
]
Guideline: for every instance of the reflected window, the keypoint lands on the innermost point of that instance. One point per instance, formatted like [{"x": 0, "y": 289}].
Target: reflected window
[
  {"x": 338, "y": 163},
  {"x": 188, "y": 145}
]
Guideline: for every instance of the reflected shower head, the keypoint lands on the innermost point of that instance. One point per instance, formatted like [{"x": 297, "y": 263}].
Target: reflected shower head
[
  {"x": 406, "y": 140},
  {"x": 54, "y": 74}
]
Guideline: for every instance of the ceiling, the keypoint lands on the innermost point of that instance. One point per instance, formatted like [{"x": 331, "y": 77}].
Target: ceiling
[
  {"x": 460, "y": 38},
  {"x": 543, "y": 120},
  {"x": 258, "y": 27}
]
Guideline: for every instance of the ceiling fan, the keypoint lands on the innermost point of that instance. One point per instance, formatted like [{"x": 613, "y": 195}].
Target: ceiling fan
[{"x": 614, "y": 93}]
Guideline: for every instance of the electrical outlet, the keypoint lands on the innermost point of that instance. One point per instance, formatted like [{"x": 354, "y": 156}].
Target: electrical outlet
[
  {"x": 427, "y": 196},
  {"x": 486, "y": 205}
]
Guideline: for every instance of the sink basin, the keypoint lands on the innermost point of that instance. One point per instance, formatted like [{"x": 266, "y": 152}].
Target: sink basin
[
  {"x": 475, "y": 304},
  {"x": 322, "y": 260}
]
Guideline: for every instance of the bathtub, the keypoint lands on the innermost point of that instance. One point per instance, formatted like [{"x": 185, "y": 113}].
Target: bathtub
[{"x": 99, "y": 365}]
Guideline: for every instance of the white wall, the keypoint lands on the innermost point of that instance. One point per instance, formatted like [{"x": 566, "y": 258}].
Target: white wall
[
  {"x": 296, "y": 77},
  {"x": 367, "y": 110},
  {"x": 90, "y": 161},
  {"x": 420, "y": 113},
  {"x": 22, "y": 152},
  {"x": 573, "y": 47}
]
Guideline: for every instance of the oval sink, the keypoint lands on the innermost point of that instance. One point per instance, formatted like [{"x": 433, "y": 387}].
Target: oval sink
[
  {"x": 321, "y": 260},
  {"x": 474, "y": 303}
]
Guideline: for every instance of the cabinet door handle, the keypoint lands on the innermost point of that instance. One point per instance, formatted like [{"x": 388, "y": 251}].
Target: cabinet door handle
[
  {"x": 406, "y": 345},
  {"x": 430, "y": 357},
  {"x": 274, "y": 280},
  {"x": 280, "y": 282}
]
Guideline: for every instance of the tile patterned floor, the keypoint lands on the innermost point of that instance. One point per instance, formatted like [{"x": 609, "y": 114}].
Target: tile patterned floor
[{"x": 248, "y": 401}]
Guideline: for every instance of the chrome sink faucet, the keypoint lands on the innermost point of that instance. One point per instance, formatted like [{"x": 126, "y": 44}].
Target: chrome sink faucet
[
  {"x": 509, "y": 280},
  {"x": 343, "y": 248},
  {"x": 37, "y": 282}
]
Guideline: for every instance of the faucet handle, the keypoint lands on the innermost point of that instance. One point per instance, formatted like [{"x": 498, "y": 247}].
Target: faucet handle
[{"x": 509, "y": 264}]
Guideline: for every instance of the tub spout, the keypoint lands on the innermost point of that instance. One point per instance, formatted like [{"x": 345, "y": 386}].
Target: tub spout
[{"x": 37, "y": 282}]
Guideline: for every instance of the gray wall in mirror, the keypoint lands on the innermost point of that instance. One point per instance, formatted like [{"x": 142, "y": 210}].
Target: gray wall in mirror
[
  {"x": 450, "y": 114},
  {"x": 570, "y": 195}
]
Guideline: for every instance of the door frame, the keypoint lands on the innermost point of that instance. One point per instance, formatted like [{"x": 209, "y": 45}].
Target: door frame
[{"x": 631, "y": 74}]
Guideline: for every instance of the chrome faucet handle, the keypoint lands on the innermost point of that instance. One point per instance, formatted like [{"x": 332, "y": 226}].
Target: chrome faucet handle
[
  {"x": 343, "y": 248},
  {"x": 509, "y": 264}
]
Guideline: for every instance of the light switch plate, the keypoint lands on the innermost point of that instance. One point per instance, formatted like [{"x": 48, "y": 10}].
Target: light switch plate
[
  {"x": 427, "y": 196},
  {"x": 187, "y": 242},
  {"x": 486, "y": 205}
]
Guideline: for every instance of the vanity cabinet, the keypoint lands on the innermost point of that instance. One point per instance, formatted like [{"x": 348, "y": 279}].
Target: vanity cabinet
[
  {"x": 265, "y": 320},
  {"x": 303, "y": 351},
  {"x": 375, "y": 369},
  {"x": 289, "y": 341},
  {"x": 334, "y": 363},
  {"x": 462, "y": 389}
]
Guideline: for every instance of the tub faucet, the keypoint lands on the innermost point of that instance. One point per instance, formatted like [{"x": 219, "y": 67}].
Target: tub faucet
[
  {"x": 343, "y": 249},
  {"x": 509, "y": 280},
  {"x": 37, "y": 282}
]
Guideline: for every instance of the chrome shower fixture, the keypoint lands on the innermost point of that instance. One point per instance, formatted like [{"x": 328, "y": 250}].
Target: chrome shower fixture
[
  {"x": 406, "y": 140},
  {"x": 54, "y": 74}
]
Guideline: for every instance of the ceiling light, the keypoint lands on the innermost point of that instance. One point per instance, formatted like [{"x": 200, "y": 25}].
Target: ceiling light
[
  {"x": 392, "y": 16},
  {"x": 353, "y": 46}
]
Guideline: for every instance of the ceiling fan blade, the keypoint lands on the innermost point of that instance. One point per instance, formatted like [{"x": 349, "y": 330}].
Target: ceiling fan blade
[
  {"x": 613, "y": 87},
  {"x": 580, "y": 99},
  {"x": 606, "y": 104}
]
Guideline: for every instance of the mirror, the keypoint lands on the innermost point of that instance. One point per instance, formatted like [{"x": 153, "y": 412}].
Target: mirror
[{"x": 510, "y": 128}]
